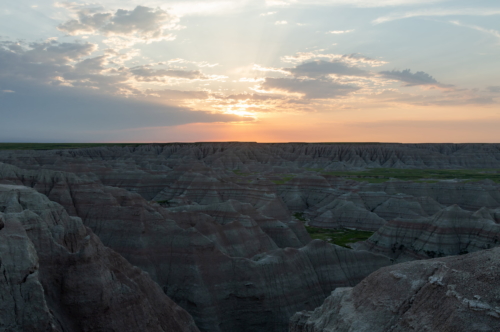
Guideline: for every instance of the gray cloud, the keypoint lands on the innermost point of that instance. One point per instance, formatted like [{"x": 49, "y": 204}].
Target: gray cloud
[
  {"x": 63, "y": 113},
  {"x": 88, "y": 22},
  {"x": 312, "y": 89},
  {"x": 143, "y": 22},
  {"x": 406, "y": 76},
  {"x": 361, "y": 59},
  {"x": 50, "y": 51},
  {"x": 455, "y": 98},
  {"x": 178, "y": 94},
  {"x": 51, "y": 89},
  {"x": 61, "y": 64},
  {"x": 321, "y": 68},
  {"x": 251, "y": 96},
  {"x": 147, "y": 74},
  {"x": 493, "y": 89}
]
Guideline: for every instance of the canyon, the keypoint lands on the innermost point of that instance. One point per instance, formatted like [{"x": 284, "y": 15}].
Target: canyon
[{"x": 217, "y": 237}]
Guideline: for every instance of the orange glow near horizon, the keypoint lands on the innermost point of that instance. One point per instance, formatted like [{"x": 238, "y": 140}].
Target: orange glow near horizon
[{"x": 453, "y": 125}]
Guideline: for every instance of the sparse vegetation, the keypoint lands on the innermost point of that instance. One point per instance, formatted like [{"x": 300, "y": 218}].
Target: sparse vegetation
[
  {"x": 240, "y": 173},
  {"x": 340, "y": 237},
  {"x": 284, "y": 179},
  {"x": 377, "y": 175},
  {"x": 57, "y": 146},
  {"x": 299, "y": 216}
]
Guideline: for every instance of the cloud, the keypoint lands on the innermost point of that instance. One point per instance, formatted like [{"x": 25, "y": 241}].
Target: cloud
[
  {"x": 50, "y": 52},
  {"x": 141, "y": 23},
  {"x": 280, "y": 22},
  {"x": 351, "y": 59},
  {"x": 268, "y": 14},
  {"x": 63, "y": 113},
  {"x": 355, "y": 3},
  {"x": 411, "y": 79},
  {"x": 270, "y": 69},
  {"x": 72, "y": 64},
  {"x": 79, "y": 94},
  {"x": 493, "y": 89},
  {"x": 178, "y": 94},
  {"x": 339, "y": 32},
  {"x": 252, "y": 97},
  {"x": 321, "y": 68},
  {"x": 359, "y": 59},
  {"x": 311, "y": 89},
  {"x": 473, "y": 11},
  {"x": 455, "y": 98},
  {"x": 146, "y": 74},
  {"x": 492, "y": 32}
]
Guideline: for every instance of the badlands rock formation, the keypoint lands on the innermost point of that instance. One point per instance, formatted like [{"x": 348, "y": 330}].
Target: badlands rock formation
[
  {"x": 252, "y": 157},
  {"x": 226, "y": 270},
  {"x": 451, "y": 231},
  {"x": 212, "y": 224},
  {"x": 56, "y": 275},
  {"x": 459, "y": 294}
]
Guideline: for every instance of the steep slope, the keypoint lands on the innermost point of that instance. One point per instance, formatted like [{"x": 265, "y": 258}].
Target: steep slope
[
  {"x": 459, "y": 294},
  {"x": 252, "y": 157},
  {"x": 189, "y": 254},
  {"x": 451, "y": 231},
  {"x": 56, "y": 275}
]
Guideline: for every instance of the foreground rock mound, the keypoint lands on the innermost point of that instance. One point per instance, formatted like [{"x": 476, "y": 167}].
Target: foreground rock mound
[
  {"x": 452, "y": 294},
  {"x": 56, "y": 275}
]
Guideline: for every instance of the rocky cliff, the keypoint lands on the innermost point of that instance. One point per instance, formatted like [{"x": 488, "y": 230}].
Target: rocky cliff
[
  {"x": 451, "y": 231},
  {"x": 459, "y": 294},
  {"x": 212, "y": 224},
  {"x": 56, "y": 275},
  {"x": 254, "y": 157},
  {"x": 233, "y": 270}
]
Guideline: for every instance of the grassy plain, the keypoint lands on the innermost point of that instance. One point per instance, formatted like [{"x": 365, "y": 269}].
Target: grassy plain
[
  {"x": 340, "y": 237},
  {"x": 57, "y": 146},
  {"x": 284, "y": 179},
  {"x": 377, "y": 175}
]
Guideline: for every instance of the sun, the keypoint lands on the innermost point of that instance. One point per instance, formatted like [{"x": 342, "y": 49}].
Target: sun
[{"x": 242, "y": 109}]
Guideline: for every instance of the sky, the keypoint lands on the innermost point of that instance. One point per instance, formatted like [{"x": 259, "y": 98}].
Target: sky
[{"x": 411, "y": 71}]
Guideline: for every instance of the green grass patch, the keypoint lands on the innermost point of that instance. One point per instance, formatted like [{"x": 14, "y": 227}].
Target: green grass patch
[
  {"x": 57, "y": 146},
  {"x": 299, "y": 216},
  {"x": 378, "y": 175},
  {"x": 284, "y": 179},
  {"x": 341, "y": 236}
]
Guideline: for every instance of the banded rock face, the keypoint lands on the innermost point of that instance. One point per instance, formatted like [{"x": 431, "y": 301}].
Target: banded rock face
[
  {"x": 186, "y": 174},
  {"x": 56, "y": 275},
  {"x": 459, "y": 294},
  {"x": 262, "y": 157},
  {"x": 451, "y": 231},
  {"x": 225, "y": 269},
  {"x": 211, "y": 223}
]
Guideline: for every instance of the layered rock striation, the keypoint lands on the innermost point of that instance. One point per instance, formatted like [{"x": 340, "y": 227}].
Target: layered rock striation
[
  {"x": 56, "y": 275},
  {"x": 459, "y": 294},
  {"x": 260, "y": 157},
  {"x": 212, "y": 224},
  {"x": 220, "y": 262},
  {"x": 451, "y": 231}
]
